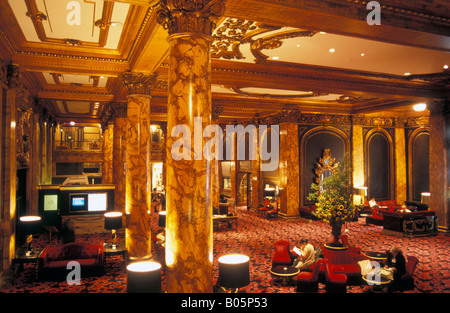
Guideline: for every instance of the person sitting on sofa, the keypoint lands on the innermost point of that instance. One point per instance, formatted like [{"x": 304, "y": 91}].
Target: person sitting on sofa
[{"x": 306, "y": 254}]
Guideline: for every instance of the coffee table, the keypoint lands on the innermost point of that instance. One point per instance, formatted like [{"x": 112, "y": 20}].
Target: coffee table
[{"x": 284, "y": 273}]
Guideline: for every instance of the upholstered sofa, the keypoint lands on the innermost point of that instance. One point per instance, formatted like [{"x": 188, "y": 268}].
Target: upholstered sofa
[
  {"x": 53, "y": 260},
  {"x": 376, "y": 217}
]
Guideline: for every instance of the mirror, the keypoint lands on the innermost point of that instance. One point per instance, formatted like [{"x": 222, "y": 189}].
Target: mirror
[{"x": 325, "y": 167}]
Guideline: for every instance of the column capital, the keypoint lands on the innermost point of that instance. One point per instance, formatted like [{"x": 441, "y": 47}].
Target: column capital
[
  {"x": 190, "y": 16},
  {"x": 139, "y": 83}
]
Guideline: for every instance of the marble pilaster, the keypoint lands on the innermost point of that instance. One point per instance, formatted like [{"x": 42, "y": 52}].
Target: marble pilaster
[
  {"x": 107, "y": 168},
  {"x": 400, "y": 162},
  {"x": 438, "y": 165},
  {"x": 288, "y": 170},
  {"x": 119, "y": 157},
  {"x": 257, "y": 183},
  {"x": 189, "y": 251}
]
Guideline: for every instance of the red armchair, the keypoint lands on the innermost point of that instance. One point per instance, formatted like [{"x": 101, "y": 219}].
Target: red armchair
[
  {"x": 334, "y": 282},
  {"x": 407, "y": 279},
  {"x": 345, "y": 241},
  {"x": 274, "y": 212},
  {"x": 309, "y": 281},
  {"x": 262, "y": 210},
  {"x": 283, "y": 255}
]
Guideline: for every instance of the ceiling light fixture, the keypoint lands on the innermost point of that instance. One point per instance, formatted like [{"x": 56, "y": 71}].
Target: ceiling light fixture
[
  {"x": 445, "y": 67},
  {"x": 275, "y": 58},
  {"x": 72, "y": 123},
  {"x": 332, "y": 50},
  {"x": 419, "y": 107},
  {"x": 102, "y": 25},
  {"x": 362, "y": 54}
]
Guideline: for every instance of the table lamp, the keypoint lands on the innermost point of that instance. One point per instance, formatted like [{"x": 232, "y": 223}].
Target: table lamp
[
  {"x": 425, "y": 199},
  {"x": 361, "y": 194},
  {"x": 144, "y": 277},
  {"x": 113, "y": 221},
  {"x": 30, "y": 225},
  {"x": 162, "y": 219},
  {"x": 234, "y": 271}
]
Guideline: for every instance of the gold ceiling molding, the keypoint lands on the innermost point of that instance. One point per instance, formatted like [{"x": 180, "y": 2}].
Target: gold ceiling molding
[
  {"x": 234, "y": 32},
  {"x": 139, "y": 83},
  {"x": 310, "y": 94},
  {"x": 183, "y": 16}
]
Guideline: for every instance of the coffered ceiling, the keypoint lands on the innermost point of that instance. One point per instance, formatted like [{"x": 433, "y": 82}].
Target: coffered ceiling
[{"x": 271, "y": 55}]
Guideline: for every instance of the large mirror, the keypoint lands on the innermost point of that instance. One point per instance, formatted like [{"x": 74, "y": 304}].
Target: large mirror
[{"x": 325, "y": 167}]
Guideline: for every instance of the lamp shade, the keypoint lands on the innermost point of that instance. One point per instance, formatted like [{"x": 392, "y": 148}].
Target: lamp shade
[
  {"x": 30, "y": 224},
  {"x": 234, "y": 271},
  {"x": 425, "y": 197},
  {"x": 162, "y": 219},
  {"x": 144, "y": 277},
  {"x": 113, "y": 220}
]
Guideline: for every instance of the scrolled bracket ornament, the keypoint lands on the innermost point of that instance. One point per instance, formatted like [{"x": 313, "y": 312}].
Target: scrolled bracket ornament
[{"x": 189, "y": 16}]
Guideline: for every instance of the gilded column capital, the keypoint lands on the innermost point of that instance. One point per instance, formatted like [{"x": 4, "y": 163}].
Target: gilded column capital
[
  {"x": 190, "y": 16},
  {"x": 139, "y": 83}
]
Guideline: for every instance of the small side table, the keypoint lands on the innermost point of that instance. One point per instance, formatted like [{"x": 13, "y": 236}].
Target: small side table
[
  {"x": 21, "y": 259},
  {"x": 377, "y": 256},
  {"x": 378, "y": 286},
  {"x": 120, "y": 249},
  {"x": 285, "y": 273}
]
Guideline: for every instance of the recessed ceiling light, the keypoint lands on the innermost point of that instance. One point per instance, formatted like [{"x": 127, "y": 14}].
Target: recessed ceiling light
[
  {"x": 275, "y": 58},
  {"x": 406, "y": 74},
  {"x": 420, "y": 107},
  {"x": 332, "y": 50}
]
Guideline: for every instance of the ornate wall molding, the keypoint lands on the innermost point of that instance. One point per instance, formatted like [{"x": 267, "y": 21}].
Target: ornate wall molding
[{"x": 139, "y": 83}]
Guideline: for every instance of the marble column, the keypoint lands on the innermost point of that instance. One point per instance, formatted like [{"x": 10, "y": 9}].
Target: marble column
[
  {"x": 358, "y": 156},
  {"x": 288, "y": 170},
  {"x": 119, "y": 155},
  {"x": 400, "y": 162},
  {"x": 257, "y": 183},
  {"x": 439, "y": 164},
  {"x": 107, "y": 167},
  {"x": 189, "y": 250},
  {"x": 215, "y": 169},
  {"x": 138, "y": 170}
]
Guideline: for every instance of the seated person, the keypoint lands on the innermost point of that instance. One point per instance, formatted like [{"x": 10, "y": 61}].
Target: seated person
[
  {"x": 161, "y": 238},
  {"x": 373, "y": 203},
  {"x": 306, "y": 254},
  {"x": 397, "y": 263},
  {"x": 404, "y": 209}
]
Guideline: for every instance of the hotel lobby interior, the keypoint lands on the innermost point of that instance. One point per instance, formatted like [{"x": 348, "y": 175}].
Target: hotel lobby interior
[{"x": 106, "y": 145}]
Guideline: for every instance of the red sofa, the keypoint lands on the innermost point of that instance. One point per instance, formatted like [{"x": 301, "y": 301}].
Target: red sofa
[
  {"x": 54, "y": 259},
  {"x": 377, "y": 213}
]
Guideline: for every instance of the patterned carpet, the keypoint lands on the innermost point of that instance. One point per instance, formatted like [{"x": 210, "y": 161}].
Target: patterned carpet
[{"x": 255, "y": 237}]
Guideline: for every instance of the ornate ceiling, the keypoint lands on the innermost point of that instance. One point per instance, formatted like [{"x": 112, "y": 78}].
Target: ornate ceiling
[{"x": 267, "y": 56}]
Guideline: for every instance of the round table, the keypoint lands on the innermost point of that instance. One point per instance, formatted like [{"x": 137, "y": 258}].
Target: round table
[
  {"x": 285, "y": 273},
  {"x": 379, "y": 284},
  {"x": 377, "y": 256}
]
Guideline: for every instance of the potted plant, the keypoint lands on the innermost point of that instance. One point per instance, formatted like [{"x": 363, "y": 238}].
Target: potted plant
[{"x": 333, "y": 198}]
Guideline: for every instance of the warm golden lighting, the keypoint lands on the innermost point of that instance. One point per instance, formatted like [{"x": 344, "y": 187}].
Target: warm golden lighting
[
  {"x": 144, "y": 266},
  {"x": 72, "y": 123},
  {"x": 30, "y": 218},
  {"x": 234, "y": 259},
  {"x": 113, "y": 214},
  {"x": 419, "y": 107}
]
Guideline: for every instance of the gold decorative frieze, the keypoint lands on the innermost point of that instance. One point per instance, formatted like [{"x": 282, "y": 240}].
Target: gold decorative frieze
[
  {"x": 189, "y": 16},
  {"x": 139, "y": 83}
]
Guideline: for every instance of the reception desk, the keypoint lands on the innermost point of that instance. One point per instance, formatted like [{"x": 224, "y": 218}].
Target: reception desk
[
  {"x": 421, "y": 223},
  {"x": 86, "y": 203}
]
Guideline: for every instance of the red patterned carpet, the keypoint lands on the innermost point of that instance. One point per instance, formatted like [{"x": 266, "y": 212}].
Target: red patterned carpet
[{"x": 255, "y": 237}]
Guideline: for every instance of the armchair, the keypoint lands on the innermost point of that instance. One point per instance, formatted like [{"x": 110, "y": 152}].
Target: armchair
[
  {"x": 262, "y": 210},
  {"x": 274, "y": 212},
  {"x": 309, "y": 281},
  {"x": 283, "y": 255},
  {"x": 407, "y": 279},
  {"x": 334, "y": 282}
]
